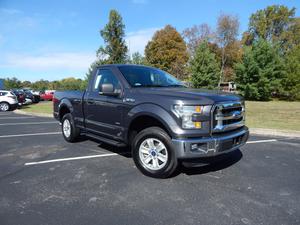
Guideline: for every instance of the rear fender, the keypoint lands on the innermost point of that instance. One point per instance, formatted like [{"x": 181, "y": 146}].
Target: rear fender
[{"x": 65, "y": 103}]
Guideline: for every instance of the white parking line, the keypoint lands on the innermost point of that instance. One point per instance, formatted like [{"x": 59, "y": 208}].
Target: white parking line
[
  {"x": 16, "y": 117},
  {"x": 24, "y": 135},
  {"x": 110, "y": 154},
  {"x": 29, "y": 123},
  {"x": 69, "y": 159},
  {"x": 261, "y": 141},
  {"x": 5, "y": 114}
]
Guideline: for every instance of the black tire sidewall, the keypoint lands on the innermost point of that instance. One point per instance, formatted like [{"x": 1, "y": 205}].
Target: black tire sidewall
[
  {"x": 157, "y": 133},
  {"x": 74, "y": 131}
]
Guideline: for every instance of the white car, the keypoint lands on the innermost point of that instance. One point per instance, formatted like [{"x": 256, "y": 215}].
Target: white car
[{"x": 8, "y": 100}]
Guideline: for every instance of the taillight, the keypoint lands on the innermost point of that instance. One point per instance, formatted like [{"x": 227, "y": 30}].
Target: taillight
[{"x": 54, "y": 100}]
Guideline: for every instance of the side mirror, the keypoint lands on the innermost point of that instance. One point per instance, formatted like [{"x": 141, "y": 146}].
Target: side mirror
[{"x": 108, "y": 89}]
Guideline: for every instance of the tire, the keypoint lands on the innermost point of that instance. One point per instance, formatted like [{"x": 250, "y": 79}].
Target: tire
[
  {"x": 4, "y": 106},
  {"x": 69, "y": 130},
  {"x": 153, "y": 153}
]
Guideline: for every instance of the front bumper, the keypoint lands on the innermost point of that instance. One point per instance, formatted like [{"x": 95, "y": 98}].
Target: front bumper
[{"x": 210, "y": 146}]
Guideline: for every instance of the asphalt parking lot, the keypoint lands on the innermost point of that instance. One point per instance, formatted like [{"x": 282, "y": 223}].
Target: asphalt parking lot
[{"x": 45, "y": 180}]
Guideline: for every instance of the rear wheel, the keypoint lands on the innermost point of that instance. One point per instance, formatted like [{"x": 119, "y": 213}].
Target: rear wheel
[
  {"x": 4, "y": 106},
  {"x": 69, "y": 130},
  {"x": 153, "y": 153}
]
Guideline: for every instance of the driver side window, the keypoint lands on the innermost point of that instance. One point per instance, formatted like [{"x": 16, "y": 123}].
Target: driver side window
[{"x": 105, "y": 76}]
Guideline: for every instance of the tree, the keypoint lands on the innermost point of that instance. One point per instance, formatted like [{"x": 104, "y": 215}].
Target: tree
[
  {"x": 260, "y": 72},
  {"x": 195, "y": 35},
  {"x": 277, "y": 24},
  {"x": 137, "y": 58},
  {"x": 11, "y": 83},
  {"x": 115, "y": 50},
  {"x": 167, "y": 51},
  {"x": 291, "y": 84},
  {"x": 92, "y": 67},
  {"x": 113, "y": 35},
  {"x": 40, "y": 85},
  {"x": 204, "y": 68},
  {"x": 26, "y": 83},
  {"x": 227, "y": 32},
  {"x": 70, "y": 83}
]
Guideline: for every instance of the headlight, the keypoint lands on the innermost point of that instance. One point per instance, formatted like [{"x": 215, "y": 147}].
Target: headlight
[{"x": 187, "y": 113}]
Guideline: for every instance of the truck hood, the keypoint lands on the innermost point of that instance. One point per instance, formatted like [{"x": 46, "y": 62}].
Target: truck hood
[{"x": 190, "y": 94}]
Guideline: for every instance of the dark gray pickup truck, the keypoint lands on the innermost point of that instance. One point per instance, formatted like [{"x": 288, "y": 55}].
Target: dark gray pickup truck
[{"x": 162, "y": 120}]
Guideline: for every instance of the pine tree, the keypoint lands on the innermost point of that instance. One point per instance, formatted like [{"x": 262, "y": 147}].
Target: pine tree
[
  {"x": 116, "y": 49},
  {"x": 204, "y": 68},
  {"x": 261, "y": 71},
  {"x": 113, "y": 35}
]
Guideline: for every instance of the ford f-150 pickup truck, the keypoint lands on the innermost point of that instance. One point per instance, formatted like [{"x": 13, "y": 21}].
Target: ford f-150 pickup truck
[{"x": 162, "y": 121}]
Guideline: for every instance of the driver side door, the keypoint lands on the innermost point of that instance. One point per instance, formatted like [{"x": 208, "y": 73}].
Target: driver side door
[{"x": 104, "y": 113}]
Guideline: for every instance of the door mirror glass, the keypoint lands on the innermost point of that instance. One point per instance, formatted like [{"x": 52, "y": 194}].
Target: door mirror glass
[{"x": 108, "y": 89}]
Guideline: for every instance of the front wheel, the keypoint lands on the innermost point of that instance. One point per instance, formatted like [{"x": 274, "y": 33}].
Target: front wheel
[
  {"x": 4, "y": 106},
  {"x": 153, "y": 153},
  {"x": 69, "y": 130}
]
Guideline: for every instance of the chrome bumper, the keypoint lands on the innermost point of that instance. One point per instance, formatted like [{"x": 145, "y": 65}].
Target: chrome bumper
[{"x": 210, "y": 146}]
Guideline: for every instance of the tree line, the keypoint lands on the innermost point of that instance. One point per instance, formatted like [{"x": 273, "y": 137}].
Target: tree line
[
  {"x": 264, "y": 61},
  {"x": 70, "y": 83}
]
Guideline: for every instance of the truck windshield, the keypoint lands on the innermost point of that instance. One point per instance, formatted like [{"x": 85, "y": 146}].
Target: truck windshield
[{"x": 139, "y": 76}]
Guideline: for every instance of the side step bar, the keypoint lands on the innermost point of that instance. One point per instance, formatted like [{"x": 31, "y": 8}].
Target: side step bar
[{"x": 106, "y": 140}]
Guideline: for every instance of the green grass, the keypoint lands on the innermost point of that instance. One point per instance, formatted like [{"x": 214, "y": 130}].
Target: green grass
[
  {"x": 279, "y": 115},
  {"x": 41, "y": 107}
]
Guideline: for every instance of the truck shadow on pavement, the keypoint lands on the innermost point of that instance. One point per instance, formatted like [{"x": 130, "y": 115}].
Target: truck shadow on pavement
[
  {"x": 202, "y": 167},
  {"x": 194, "y": 167}
]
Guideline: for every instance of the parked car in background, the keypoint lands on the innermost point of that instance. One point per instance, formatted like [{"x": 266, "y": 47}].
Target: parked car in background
[
  {"x": 47, "y": 95},
  {"x": 35, "y": 98},
  {"x": 28, "y": 101},
  {"x": 8, "y": 100},
  {"x": 20, "y": 96}
]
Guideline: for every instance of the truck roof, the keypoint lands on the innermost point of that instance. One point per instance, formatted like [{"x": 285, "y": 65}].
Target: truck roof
[{"x": 127, "y": 65}]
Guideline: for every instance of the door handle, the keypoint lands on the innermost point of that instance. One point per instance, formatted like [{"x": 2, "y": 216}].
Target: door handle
[
  {"x": 76, "y": 100},
  {"x": 90, "y": 101}
]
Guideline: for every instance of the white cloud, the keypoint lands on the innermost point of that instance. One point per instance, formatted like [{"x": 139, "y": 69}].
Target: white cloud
[
  {"x": 139, "y": 1},
  {"x": 71, "y": 61},
  {"x": 137, "y": 40}
]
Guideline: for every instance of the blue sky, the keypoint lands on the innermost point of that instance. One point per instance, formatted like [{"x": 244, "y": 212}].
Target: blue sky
[{"x": 58, "y": 38}]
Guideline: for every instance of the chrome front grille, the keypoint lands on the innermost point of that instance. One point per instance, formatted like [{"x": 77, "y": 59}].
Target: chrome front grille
[{"x": 228, "y": 116}]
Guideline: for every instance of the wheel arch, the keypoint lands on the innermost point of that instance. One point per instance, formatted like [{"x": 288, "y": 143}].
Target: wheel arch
[
  {"x": 64, "y": 107},
  {"x": 148, "y": 115}
]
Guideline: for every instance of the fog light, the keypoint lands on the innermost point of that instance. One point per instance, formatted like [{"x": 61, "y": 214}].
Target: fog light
[
  {"x": 197, "y": 124},
  {"x": 199, "y": 147}
]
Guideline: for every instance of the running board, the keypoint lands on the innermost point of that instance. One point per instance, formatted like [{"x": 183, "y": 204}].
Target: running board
[{"x": 106, "y": 140}]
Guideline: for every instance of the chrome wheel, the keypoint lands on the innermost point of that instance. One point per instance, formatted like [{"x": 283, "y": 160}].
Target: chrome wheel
[
  {"x": 153, "y": 154},
  {"x": 67, "y": 128},
  {"x": 4, "y": 107}
]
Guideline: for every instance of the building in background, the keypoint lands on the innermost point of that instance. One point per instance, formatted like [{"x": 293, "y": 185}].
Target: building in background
[{"x": 2, "y": 84}]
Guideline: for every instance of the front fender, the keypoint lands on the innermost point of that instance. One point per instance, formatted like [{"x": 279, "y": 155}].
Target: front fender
[{"x": 156, "y": 112}]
